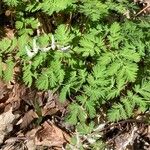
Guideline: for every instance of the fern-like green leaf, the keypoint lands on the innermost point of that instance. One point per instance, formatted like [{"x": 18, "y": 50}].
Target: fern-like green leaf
[
  {"x": 11, "y": 2},
  {"x": 88, "y": 104},
  {"x": 91, "y": 9},
  {"x": 90, "y": 107},
  {"x": 51, "y": 6},
  {"x": 130, "y": 55},
  {"x": 68, "y": 86},
  {"x": 144, "y": 89},
  {"x": 128, "y": 72},
  {"x": 8, "y": 72},
  {"x": 38, "y": 60},
  {"x": 63, "y": 93},
  {"x": 115, "y": 36},
  {"x": 28, "y": 75},
  {"x": 63, "y": 36},
  {"x": 43, "y": 82},
  {"x": 76, "y": 113}
]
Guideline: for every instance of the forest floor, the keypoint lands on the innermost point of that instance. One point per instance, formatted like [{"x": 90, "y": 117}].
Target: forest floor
[{"x": 31, "y": 119}]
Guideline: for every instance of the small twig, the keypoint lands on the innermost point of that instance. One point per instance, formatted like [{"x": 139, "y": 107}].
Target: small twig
[
  {"x": 122, "y": 122},
  {"x": 142, "y": 10}
]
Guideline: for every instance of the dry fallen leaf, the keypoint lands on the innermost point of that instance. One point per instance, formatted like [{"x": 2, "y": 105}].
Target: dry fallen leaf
[
  {"x": 123, "y": 140},
  {"x": 3, "y": 90},
  {"x": 50, "y": 135},
  {"x": 30, "y": 139},
  {"x": 27, "y": 119},
  {"x": 30, "y": 144},
  {"x": 14, "y": 99},
  {"x": 6, "y": 124}
]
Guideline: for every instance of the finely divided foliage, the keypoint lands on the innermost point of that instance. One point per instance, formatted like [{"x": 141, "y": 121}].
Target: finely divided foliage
[{"x": 95, "y": 56}]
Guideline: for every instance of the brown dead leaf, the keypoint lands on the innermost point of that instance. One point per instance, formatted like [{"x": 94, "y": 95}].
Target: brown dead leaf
[
  {"x": 6, "y": 124},
  {"x": 8, "y": 147},
  {"x": 53, "y": 104},
  {"x": 30, "y": 139},
  {"x": 28, "y": 118},
  {"x": 14, "y": 145},
  {"x": 3, "y": 90},
  {"x": 30, "y": 144},
  {"x": 50, "y": 106},
  {"x": 50, "y": 135},
  {"x": 148, "y": 132},
  {"x": 49, "y": 111},
  {"x": 30, "y": 96},
  {"x": 125, "y": 139},
  {"x": 15, "y": 95}
]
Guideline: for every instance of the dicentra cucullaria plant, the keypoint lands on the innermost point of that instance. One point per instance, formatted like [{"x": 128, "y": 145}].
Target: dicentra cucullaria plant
[{"x": 84, "y": 49}]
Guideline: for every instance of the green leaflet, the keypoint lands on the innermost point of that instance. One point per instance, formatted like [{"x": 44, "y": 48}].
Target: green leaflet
[
  {"x": 28, "y": 75},
  {"x": 77, "y": 113},
  {"x": 51, "y": 77},
  {"x": 125, "y": 109},
  {"x": 68, "y": 86},
  {"x": 143, "y": 89},
  {"x": 11, "y": 2},
  {"x": 88, "y": 104},
  {"x": 128, "y": 72},
  {"x": 26, "y": 26},
  {"x": 63, "y": 36},
  {"x": 39, "y": 60},
  {"x": 85, "y": 129},
  {"x": 91, "y": 9},
  {"x": 115, "y": 36},
  {"x": 91, "y": 44},
  {"x": 43, "y": 82},
  {"x": 50, "y": 6},
  {"x": 5, "y": 45},
  {"x": 8, "y": 72},
  {"x": 63, "y": 93}
]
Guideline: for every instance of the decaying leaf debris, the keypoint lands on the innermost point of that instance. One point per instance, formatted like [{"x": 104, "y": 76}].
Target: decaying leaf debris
[
  {"x": 17, "y": 129},
  {"x": 6, "y": 124}
]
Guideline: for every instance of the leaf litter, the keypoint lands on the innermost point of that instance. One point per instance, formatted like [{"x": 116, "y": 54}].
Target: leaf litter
[
  {"x": 27, "y": 118},
  {"x": 32, "y": 120}
]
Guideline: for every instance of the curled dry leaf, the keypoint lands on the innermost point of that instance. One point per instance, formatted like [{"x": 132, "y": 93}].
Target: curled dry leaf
[
  {"x": 27, "y": 119},
  {"x": 6, "y": 124},
  {"x": 52, "y": 136}
]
